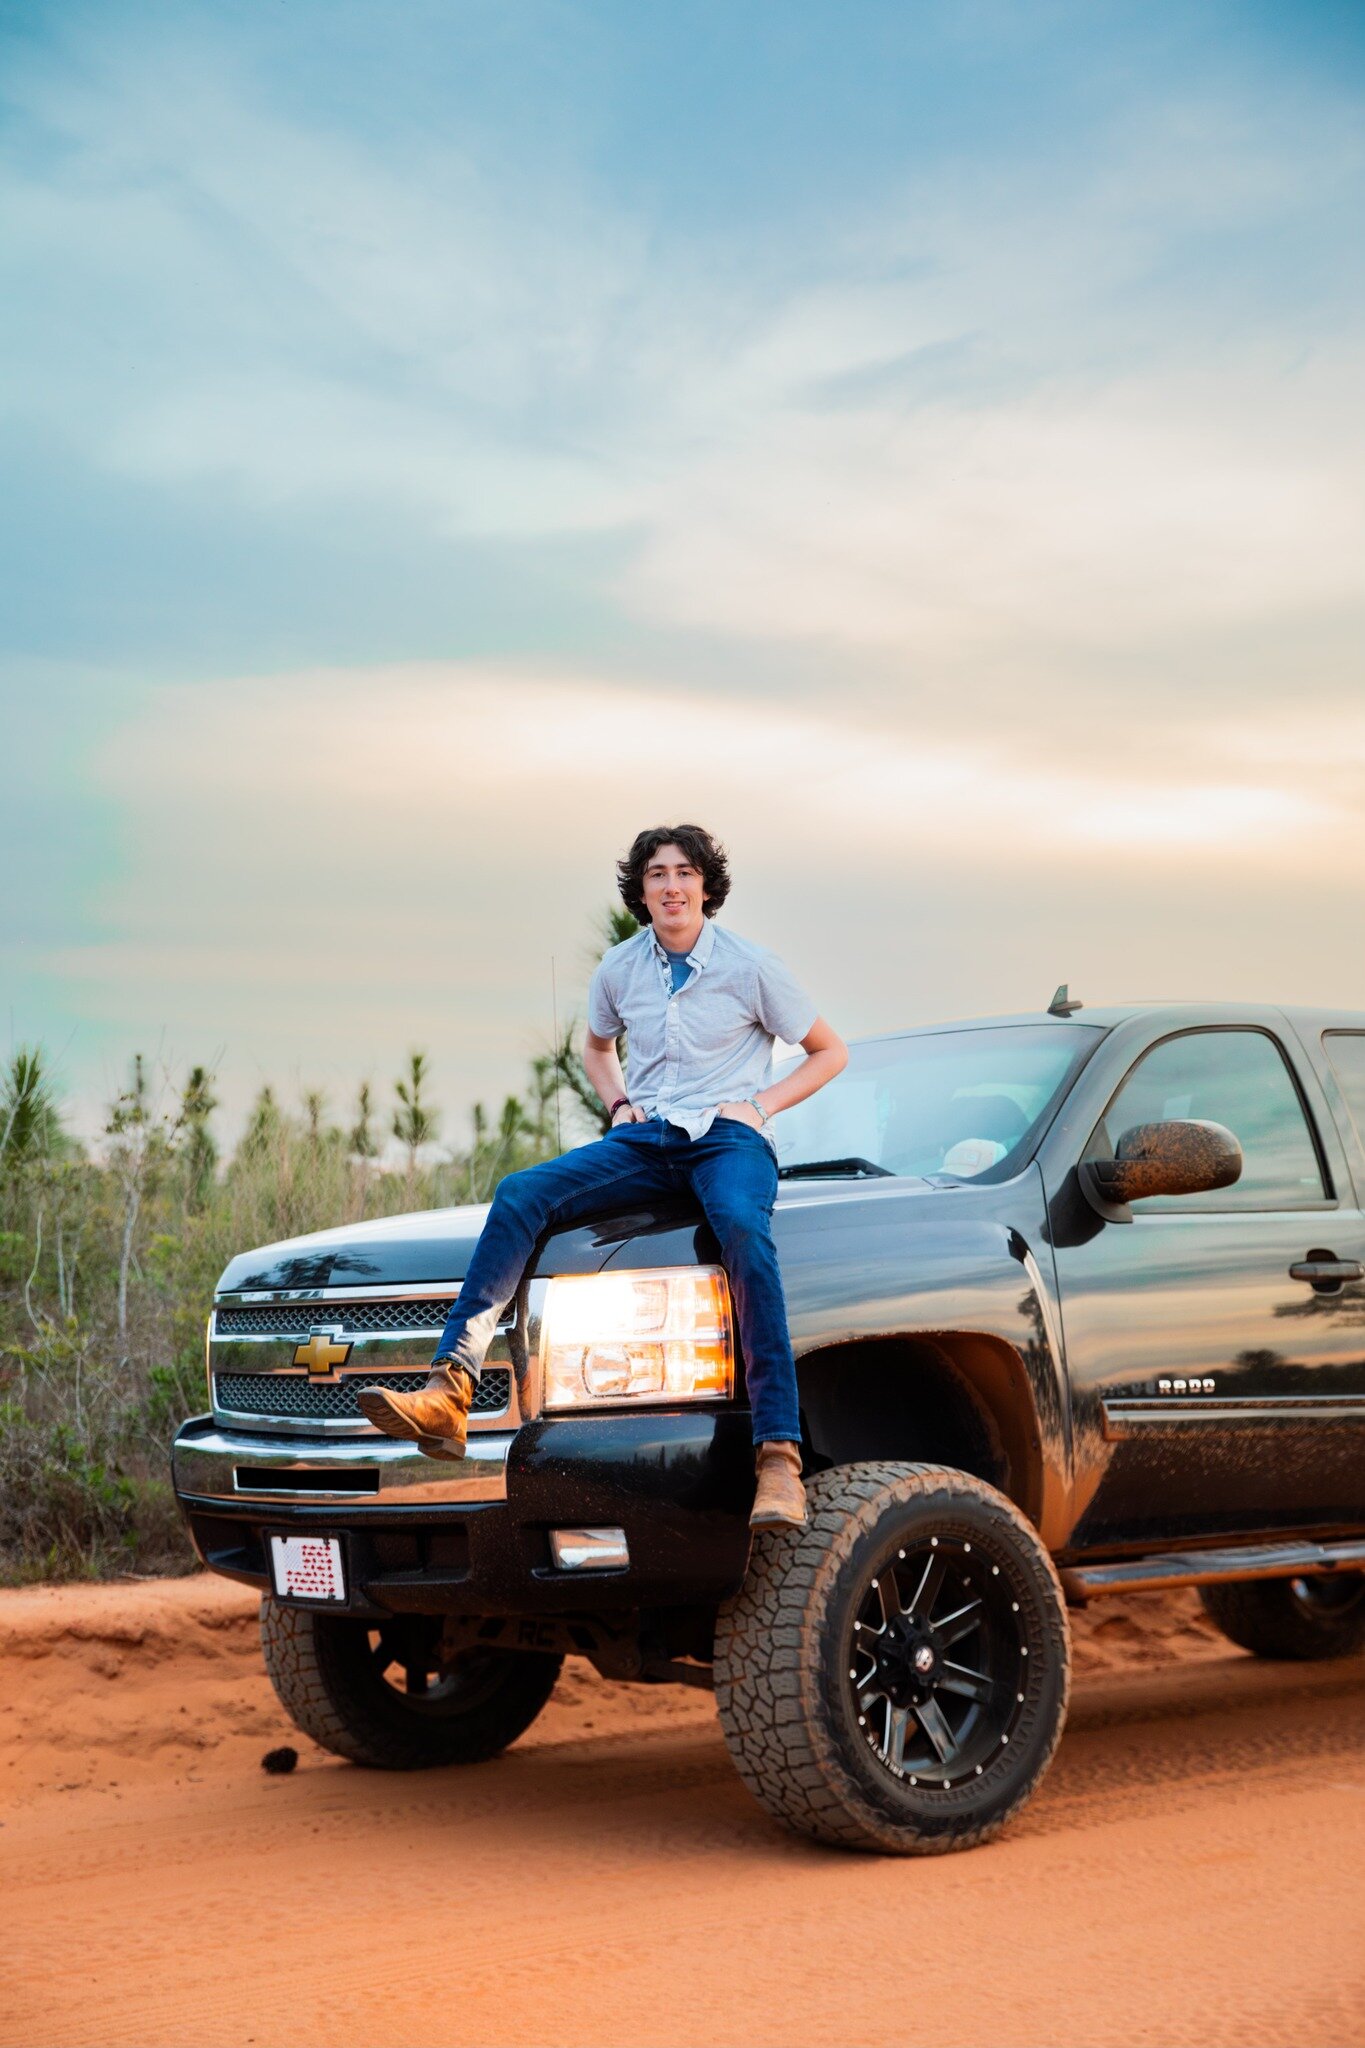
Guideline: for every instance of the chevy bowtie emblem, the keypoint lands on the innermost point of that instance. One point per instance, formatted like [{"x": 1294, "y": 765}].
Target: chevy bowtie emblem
[{"x": 324, "y": 1351}]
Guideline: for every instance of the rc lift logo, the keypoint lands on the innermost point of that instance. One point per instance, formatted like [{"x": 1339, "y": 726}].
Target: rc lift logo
[{"x": 324, "y": 1351}]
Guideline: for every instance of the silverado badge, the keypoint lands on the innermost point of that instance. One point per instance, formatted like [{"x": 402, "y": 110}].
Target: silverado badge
[{"x": 325, "y": 1350}]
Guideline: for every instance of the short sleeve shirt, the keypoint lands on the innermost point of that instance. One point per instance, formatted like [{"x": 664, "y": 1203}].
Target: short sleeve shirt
[{"x": 709, "y": 1042}]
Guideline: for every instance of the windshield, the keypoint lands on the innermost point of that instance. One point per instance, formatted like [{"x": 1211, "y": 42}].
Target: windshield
[{"x": 969, "y": 1104}]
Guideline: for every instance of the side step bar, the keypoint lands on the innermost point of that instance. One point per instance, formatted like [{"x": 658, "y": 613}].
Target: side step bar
[{"x": 1206, "y": 1567}]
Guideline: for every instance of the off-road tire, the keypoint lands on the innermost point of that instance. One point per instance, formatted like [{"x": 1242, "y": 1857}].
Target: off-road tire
[
  {"x": 782, "y": 1661},
  {"x": 328, "y": 1680},
  {"x": 1295, "y": 1620}
]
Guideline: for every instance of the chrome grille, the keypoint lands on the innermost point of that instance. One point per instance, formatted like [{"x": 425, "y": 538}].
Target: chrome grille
[
  {"x": 277, "y": 1393},
  {"x": 296, "y": 1319}
]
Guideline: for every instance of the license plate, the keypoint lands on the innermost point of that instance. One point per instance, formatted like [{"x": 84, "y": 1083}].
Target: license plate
[{"x": 307, "y": 1568}]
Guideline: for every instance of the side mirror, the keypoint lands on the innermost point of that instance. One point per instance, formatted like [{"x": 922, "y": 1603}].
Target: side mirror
[{"x": 1181, "y": 1157}]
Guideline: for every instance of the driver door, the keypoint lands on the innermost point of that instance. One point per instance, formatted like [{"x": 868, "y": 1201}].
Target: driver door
[{"x": 1206, "y": 1376}]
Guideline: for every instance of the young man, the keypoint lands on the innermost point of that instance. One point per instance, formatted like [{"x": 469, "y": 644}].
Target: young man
[{"x": 701, "y": 1009}]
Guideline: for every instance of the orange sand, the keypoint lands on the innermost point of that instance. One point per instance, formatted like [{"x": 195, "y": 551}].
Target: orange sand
[{"x": 1193, "y": 1870}]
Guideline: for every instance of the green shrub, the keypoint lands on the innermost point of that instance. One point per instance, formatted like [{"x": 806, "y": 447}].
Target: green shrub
[{"x": 108, "y": 1262}]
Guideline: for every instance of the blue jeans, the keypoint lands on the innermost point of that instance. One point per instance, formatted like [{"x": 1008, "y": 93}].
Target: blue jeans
[{"x": 733, "y": 1175}]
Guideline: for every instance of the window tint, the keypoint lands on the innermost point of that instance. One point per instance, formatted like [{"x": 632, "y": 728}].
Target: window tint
[
  {"x": 1346, "y": 1051},
  {"x": 1236, "y": 1078}
]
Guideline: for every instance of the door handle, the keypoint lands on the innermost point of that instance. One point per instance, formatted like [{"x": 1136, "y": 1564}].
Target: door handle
[{"x": 1327, "y": 1272}]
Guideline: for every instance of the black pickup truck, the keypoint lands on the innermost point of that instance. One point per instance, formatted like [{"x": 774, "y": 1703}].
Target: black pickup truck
[{"x": 1078, "y": 1303}]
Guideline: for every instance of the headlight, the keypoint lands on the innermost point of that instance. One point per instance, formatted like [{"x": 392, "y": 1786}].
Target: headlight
[{"x": 660, "y": 1336}]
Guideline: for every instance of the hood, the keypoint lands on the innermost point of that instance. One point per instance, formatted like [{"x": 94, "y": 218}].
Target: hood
[
  {"x": 434, "y": 1245},
  {"x": 429, "y": 1246}
]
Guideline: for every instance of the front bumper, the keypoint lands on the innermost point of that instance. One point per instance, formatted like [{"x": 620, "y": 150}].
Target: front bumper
[{"x": 473, "y": 1537}]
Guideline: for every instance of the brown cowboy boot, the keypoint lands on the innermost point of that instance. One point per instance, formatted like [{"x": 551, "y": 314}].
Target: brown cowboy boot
[
  {"x": 433, "y": 1419},
  {"x": 781, "y": 1498}
]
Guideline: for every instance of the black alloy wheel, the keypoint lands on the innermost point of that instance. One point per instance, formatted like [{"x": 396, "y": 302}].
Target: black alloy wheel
[
  {"x": 937, "y": 1662},
  {"x": 407, "y": 1658},
  {"x": 1334, "y": 1594},
  {"x": 394, "y": 1696}
]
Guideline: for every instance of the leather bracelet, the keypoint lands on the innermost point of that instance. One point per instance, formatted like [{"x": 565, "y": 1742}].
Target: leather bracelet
[{"x": 621, "y": 1102}]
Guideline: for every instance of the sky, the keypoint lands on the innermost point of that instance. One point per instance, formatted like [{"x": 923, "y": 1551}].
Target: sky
[{"x": 921, "y": 443}]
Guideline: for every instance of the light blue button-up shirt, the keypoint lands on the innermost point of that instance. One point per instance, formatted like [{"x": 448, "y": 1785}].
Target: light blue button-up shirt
[{"x": 710, "y": 1043}]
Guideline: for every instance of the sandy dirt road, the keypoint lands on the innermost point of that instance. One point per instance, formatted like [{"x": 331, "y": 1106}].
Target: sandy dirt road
[{"x": 1192, "y": 1872}]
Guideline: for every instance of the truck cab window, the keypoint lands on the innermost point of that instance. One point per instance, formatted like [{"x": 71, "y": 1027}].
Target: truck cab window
[
  {"x": 1237, "y": 1078},
  {"x": 1346, "y": 1051}
]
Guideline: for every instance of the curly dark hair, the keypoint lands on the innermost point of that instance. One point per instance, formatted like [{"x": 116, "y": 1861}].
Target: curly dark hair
[{"x": 701, "y": 849}]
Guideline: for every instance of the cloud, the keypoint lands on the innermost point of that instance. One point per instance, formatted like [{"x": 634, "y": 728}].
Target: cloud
[
  {"x": 321, "y": 870},
  {"x": 1073, "y": 523},
  {"x": 993, "y": 415},
  {"x": 294, "y": 774}
]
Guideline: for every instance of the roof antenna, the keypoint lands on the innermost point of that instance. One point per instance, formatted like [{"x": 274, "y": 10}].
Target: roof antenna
[{"x": 1062, "y": 1003}]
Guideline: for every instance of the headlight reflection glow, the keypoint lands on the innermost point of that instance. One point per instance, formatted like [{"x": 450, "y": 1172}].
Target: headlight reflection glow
[{"x": 660, "y": 1336}]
